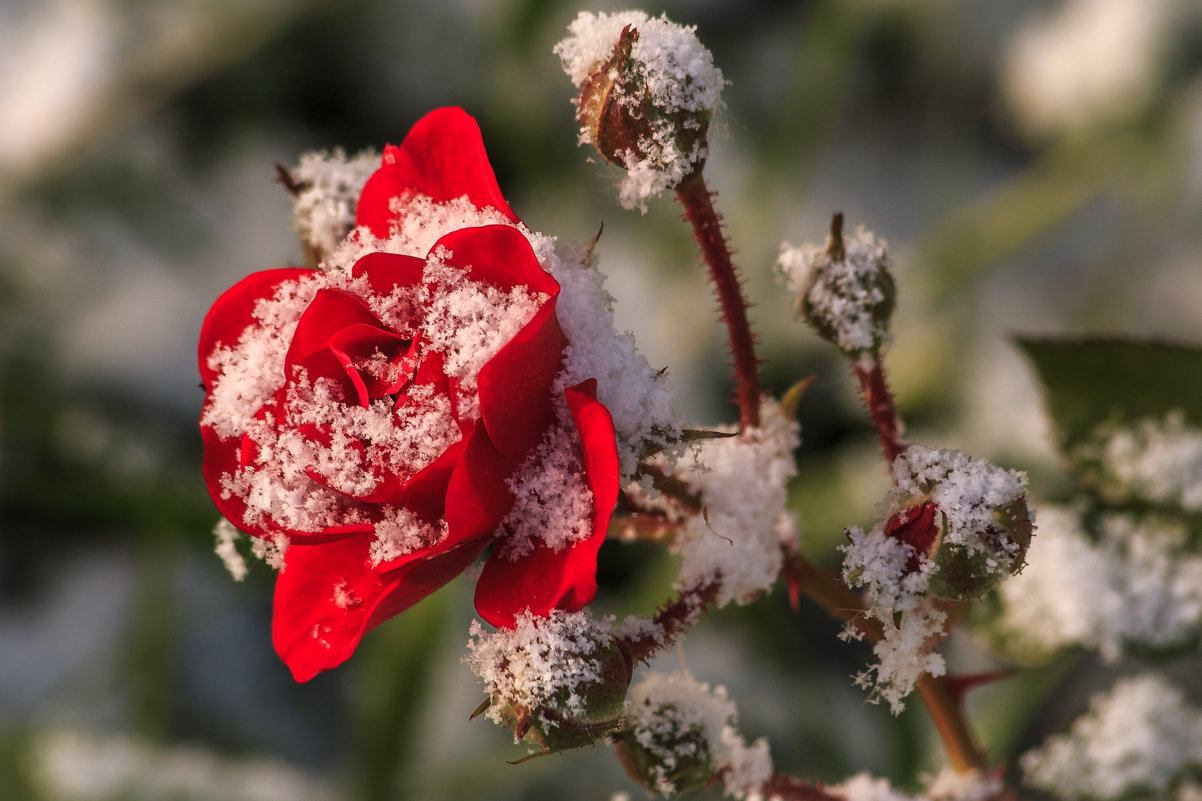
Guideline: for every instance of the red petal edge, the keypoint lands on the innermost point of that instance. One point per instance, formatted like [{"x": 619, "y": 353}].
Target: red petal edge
[
  {"x": 443, "y": 157},
  {"x": 327, "y": 598},
  {"x": 549, "y": 579},
  {"x": 234, "y": 311}
]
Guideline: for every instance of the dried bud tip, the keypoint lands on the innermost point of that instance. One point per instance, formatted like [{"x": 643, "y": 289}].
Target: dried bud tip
[{"x": 834, "y": 245}]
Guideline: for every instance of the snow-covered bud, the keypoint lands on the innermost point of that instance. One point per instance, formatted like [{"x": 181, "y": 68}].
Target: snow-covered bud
[
  {"x": 680, "y": 734},
  {"x": 966, "y": 517},
  {"x": 648, "y": 92},
  {"x": 845, "y": 290},
  {"x": 558, "y": 682},
  {"x": 325, "y": 188},
  {"x": 671, "y": 757}
]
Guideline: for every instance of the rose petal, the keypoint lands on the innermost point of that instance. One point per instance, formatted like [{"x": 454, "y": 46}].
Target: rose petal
[
  {"x": 547, "y": 579},
  {"x": 442, "y": 157},
  {"x": 499, "y": 255},
  {"x": 478, "y": 497},
  {"x": 326, "y": 598},
  {"x": 331, "y": 311},
  {"x": 233, "y": 312},
  {"x": 386, "y": 271},
  {"x": 359, "y": 344},
  {"x": 515, "y": 385}
]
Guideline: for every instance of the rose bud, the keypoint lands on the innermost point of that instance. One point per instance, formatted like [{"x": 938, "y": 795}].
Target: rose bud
[
  {"x": 671, "y": 757},
  {"x": 559, "y": 683},
  {"x": 845, "y": 291},
  {"x": 648, "y": 92},
  {"x": 969, "y": 520},
  {"x": 681, "y": 734}
]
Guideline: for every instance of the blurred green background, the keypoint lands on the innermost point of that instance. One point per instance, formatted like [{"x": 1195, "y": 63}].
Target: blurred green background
[{"x": 1035, "y": 166}]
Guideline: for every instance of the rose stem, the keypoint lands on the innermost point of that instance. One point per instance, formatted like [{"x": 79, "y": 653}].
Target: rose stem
[
  {"x": 698, "y": 205},
  {"x": 879, "y": 402},
  {"x": 941, "y": 703}
]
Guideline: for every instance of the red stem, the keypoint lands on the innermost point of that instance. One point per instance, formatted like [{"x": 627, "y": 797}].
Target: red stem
[
  {"x": 879, "y": 401},
  {"x": 698, "y": 205}
]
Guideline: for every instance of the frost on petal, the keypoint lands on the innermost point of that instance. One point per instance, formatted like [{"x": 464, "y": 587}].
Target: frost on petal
[{"x": 1139, "y": 737}]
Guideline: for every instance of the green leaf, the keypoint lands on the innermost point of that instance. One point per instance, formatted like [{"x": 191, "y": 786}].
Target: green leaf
[
  {"x": 1089, "y": 382},
  {"x": 1094, "y": 387}
]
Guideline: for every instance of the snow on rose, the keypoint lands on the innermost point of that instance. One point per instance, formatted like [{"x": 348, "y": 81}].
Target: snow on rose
[{"x": 385, "y": 419}]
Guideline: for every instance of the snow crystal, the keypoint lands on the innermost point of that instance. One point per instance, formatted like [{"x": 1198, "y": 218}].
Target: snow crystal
[
  {"x": 675, "y": 73},
  {"x": 1135, "y": 586},
  {"x": 1138, "y": 737},
  {"x": 967, "y": 491},
  {"x": 227, "y": 548},
  {"x": 329, "y": 185},
  {"x": 1157, "y": 460},
  {"x": 401, "y": 532},
  {"x": 673, "y": 716},
  {"x": 468, "y": 321},
  {"x": 903, "y": 655},
  {"x": 843, "y": 297},
  {"x": 271, "y": 550},
  {"x": 250, "y": 370},
  {"x": 738, "y": 538},
  {"x": 553, "y": 504},
  {"x": 538, "y": 658}
]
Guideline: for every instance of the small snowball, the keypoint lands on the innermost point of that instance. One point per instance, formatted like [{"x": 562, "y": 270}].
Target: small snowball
[{"x": 738, "y": 538}]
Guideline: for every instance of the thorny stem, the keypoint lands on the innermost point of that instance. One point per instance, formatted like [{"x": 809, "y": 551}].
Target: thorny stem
[
  {"x": 672, "y": 618},
  {"x": 879, "y": 402},
  {"x": 936, "y": 692},
  {"x": 698, "y": 205}
]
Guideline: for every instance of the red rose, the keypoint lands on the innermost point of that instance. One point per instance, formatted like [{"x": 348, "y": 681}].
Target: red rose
[{"x": 386, "y": 422}]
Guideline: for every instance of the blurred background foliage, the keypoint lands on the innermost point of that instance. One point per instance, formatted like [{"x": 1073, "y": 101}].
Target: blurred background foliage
[{"x": 1036, "y": 167}]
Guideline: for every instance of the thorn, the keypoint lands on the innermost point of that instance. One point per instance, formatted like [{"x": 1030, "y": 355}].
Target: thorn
[{"x": 285, "y": 178}]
